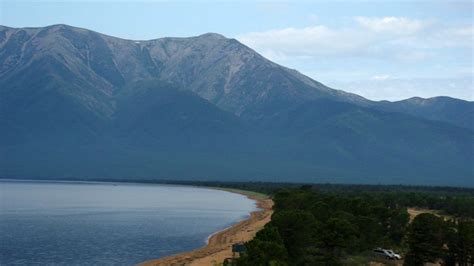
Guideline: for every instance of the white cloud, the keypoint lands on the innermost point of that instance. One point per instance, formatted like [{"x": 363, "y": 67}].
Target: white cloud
[
  {"x": 309, "y": 41},
  {"x": 467, "y": 31},
  {"x": 393, "y": 25},
  {"x": 453, "y": 37},
  {"x": 398, "y": 38},
  {"x": 395, "y": 89},
  {"x": 412, "y": 55},
  {"x": 381, "y": 77},
  {"x": 369, "y": 48}
]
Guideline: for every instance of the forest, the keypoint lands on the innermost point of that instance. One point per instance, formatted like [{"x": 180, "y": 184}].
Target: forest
[{"x": 341, "y": 225}]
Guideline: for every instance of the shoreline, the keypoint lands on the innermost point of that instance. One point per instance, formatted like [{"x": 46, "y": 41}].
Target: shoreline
[{"x": 219, "y": 244}]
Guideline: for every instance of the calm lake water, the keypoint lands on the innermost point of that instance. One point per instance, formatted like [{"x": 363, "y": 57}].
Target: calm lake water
[{"x": 109, "y": 224}]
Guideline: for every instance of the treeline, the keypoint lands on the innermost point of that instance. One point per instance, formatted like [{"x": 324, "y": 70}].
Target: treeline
[
  {"x": 311, "y": 226},
  {"x": 434, "y": 239},
  {"x": 458, "y": 202},
  {"x": 273, "y": 187}
]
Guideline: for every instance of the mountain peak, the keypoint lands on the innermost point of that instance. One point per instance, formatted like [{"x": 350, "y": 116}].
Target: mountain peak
[
  {"x": 60, "y": 26},
  {"x": 212, "y": 35},
  {"x": 423, "y": 101},
  {"x": 416, "y": 100}
]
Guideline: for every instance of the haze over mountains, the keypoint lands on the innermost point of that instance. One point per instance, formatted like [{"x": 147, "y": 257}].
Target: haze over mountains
[{"x": 78, "y": 104}]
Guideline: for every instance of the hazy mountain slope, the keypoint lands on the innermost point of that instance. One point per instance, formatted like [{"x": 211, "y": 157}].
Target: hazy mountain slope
[
  {"x": 45, "y": 100},
  {"x": 76, "y": 103},
  {"x": 231, "y": 75},
  {"x": 446, "y": 109},
  {"x": 158, "y": 113},
  {"x": 321, "y": 141},
  {"x": 370, "y": 138},
  {"x": 386, "y": 145},
  {"x": 221, "y": 70}
]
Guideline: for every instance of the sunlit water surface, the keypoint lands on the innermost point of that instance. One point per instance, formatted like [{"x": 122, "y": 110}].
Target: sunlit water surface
[{"x": 108, "y": 224}]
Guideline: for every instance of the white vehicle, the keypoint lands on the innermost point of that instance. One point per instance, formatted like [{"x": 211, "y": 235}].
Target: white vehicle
[
  {"x": 387, "y": 253},
  {"x": 394, "y": 255}
]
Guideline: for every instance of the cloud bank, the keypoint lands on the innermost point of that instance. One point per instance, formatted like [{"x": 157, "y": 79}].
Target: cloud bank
[
  {"x": 395, "y": 50},
  {"x": 366, "y": 37}
]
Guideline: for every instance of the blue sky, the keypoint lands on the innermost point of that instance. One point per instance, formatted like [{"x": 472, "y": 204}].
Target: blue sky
[{"x": 379, "y": 49}]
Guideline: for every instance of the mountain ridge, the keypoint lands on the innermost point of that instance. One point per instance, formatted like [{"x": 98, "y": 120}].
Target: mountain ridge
[{"x": 208, "y": 107}]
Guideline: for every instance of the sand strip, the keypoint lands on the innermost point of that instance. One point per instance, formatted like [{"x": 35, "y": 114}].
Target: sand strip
[{"x": 219, "y": 244}]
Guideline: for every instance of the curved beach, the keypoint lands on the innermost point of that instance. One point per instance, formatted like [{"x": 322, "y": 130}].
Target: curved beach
[{"x": 219, "y": 244}]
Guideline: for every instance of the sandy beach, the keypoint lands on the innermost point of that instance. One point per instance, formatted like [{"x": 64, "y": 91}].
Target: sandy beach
[
  {"x": 413, "y": 212},
  {"x": 219, "y": 245}
]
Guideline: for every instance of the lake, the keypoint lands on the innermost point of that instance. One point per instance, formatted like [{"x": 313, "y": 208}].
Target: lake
[{"x": 74, "y": 223}]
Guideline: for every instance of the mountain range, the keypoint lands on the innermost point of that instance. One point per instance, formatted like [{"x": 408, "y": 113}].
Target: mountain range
[{"x": 75, "y": 103}]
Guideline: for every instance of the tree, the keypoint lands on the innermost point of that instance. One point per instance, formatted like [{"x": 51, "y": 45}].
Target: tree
[
  {"x": 425, "y": 239},
  {"x": 297, "y": 229},
  {"x": 265, "y": 249},
  {"x": 461, "y": 243},
  {"x": 260, "y": 253},
  {"x": 371, "y": 233},
  {"x": 466, "y": 242},
  {"x": 337, "y": 234},
  {"x": 398, "y": 223}
]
